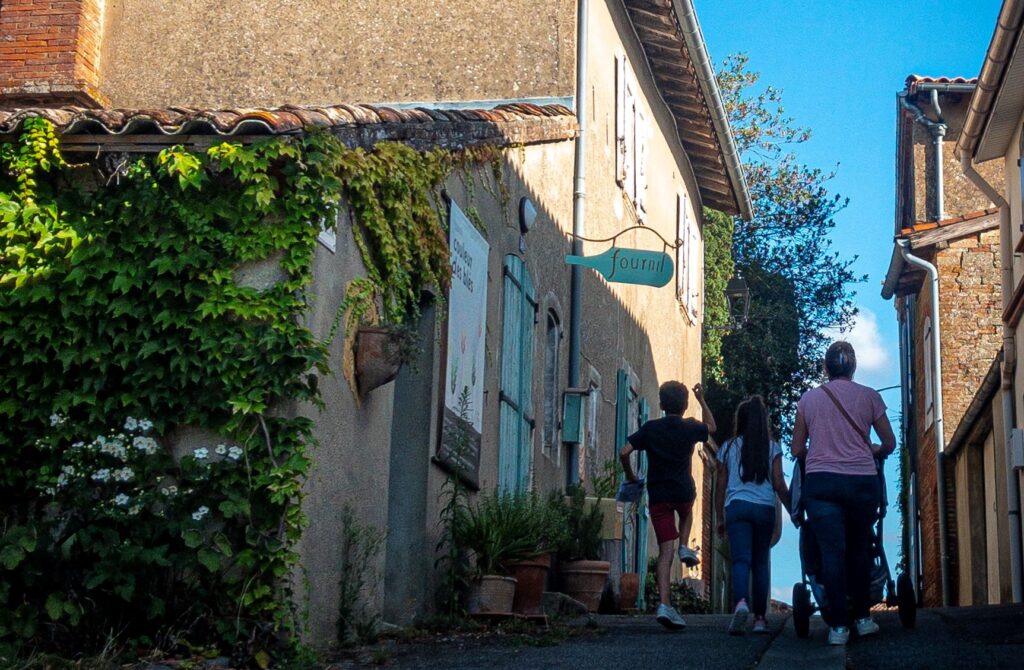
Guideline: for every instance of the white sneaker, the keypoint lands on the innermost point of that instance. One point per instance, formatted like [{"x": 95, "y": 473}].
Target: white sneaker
[
  {"x": 738, "y": 623},
  {"x": 865, "y": 627},
  {"x": 838, "y": 635},
  {"x": 688, "y": 556},
  {"x": 668, "y": 617}
]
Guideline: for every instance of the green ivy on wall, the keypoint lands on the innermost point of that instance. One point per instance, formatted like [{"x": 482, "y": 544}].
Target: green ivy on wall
[
  {"x": 122, "y": 322},
  {"x": 718, "y": 269}
]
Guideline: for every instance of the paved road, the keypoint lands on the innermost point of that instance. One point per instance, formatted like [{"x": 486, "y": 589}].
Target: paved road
[{"x": 980, "y": 637}]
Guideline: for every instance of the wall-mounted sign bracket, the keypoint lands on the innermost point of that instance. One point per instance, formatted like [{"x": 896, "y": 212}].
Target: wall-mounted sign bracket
[{"x": 630, "y": 266}]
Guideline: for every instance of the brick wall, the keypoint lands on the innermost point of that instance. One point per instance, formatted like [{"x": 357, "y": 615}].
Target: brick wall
[
  {"x": 970, "y": 307},
  {"x": 50, "y": 52}
]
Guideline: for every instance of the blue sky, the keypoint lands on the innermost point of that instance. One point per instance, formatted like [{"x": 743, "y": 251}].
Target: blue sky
[{"x": 841, "y": 64}]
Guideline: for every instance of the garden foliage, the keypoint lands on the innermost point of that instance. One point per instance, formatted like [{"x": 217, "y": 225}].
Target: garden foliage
[{"x": 122, "y": 322}]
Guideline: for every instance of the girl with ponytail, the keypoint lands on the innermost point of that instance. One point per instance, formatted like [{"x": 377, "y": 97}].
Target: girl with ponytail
[{"x": 749, "y": 477}]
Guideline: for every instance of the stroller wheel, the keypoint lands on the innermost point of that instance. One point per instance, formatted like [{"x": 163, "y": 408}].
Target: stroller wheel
[
  {"x": 801, "y": 610},
  {"x": 906, "y": 600}
]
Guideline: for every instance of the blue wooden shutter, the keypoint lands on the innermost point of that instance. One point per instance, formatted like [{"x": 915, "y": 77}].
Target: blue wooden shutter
[
  {"x": 516, "y": 411},
  {"x": 642, "y": 515},
  {"x": 621, "y": 433}
]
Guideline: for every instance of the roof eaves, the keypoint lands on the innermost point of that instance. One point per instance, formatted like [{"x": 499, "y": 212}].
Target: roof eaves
[
  {"x": 678, "y": 61},
  {"x": 1005, "y": 38},
  {"x": 357, "y": 125}
]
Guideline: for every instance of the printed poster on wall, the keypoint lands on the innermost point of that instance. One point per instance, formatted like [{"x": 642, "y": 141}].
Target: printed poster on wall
[{"x": 462, "y": 425}]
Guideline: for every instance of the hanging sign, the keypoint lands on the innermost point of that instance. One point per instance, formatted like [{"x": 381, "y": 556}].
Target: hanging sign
[{"x": 629, "y": 266}]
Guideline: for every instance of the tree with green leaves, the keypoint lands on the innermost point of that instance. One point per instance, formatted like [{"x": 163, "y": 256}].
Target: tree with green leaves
[{"x": 799, "y": 284}]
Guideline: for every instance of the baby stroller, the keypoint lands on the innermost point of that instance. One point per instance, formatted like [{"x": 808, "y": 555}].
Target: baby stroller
[{"x": 809, "y": 594}]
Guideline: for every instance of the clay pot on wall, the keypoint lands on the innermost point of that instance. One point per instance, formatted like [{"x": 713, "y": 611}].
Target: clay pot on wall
[
  {"x": 531, "y": 577},
  {"x": 378, "y": 357},
  {"x": 584, "y": 581},
  {"x": 492, "y": 594}
]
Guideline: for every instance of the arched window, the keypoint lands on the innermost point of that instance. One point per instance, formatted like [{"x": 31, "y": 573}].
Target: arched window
[{"x": 552, "y": 366}]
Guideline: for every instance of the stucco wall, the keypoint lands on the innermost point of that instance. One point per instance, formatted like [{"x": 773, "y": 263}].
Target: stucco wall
[
  {"x": 671, "y": 348},
  {"x": 349, "y": 466},
  {"x": 250, "y": 53}
]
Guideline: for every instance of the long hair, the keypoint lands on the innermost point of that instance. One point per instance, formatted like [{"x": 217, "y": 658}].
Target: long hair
[{"x": 752, "y": 426}]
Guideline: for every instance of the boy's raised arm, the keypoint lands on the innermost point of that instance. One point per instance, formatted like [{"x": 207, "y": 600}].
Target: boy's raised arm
[
  {"x": 626, "y": 465},
  {"x": 706, "y": 416}
]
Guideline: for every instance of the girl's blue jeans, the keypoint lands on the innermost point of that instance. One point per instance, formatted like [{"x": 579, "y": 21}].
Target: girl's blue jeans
[{"x": 750, "y": 528}]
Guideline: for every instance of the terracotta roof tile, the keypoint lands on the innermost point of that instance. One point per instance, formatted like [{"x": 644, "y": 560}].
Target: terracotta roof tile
[
  {"x": 357, "y": 124},
  {"x": 915, "y": 79},
  {"x": 921, "y": 226}
]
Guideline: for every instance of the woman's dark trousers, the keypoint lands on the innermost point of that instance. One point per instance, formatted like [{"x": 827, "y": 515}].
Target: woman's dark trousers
[{"x": 841, "y": 510}]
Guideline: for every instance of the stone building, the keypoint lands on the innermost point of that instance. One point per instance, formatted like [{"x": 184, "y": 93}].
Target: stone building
[
  {"x": 945, "y": 220},
  {"x": 636, "y": 98},
  {"x": 992, "y": 140}
]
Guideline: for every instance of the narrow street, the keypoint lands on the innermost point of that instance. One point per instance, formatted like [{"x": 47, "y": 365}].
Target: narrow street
[{"x": 966, "y": 637}]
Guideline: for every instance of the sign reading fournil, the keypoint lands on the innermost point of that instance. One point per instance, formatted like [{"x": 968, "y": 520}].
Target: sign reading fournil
[{"x": 629, "y": 266}]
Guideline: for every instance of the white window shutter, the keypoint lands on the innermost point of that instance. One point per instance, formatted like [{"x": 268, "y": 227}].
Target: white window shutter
[
  {"x": 642, "y": 131},
  {"x": 929, "y": 402},
  {"x": 695, "y": 264},
  {"x": 620, "y": 119},
  {"x": 681, "y": 264}
]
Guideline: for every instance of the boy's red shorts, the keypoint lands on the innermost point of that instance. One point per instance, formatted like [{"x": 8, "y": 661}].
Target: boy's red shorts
[{"x": 663, "y": 518}]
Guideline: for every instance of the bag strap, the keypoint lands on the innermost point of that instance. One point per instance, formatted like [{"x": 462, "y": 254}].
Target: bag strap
[{"x": 860, "y": 431}]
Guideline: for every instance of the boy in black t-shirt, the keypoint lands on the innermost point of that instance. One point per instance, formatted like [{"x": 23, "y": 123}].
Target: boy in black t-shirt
[{"x": 669, "y": 443}]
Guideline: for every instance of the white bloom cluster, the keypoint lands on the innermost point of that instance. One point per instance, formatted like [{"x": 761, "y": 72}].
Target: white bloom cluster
[
  {"x": 122, "y": 500},
  {"x": 131, "y": 424},
  {"x": 134, "y": 509},
  {"x": 146, "y": 445},
  {"x": 78, "y": 445},
  {"x": 57, "y": 419},
  {"x": 235, "y": 452},
  {"x": 201, "y": 454},
  {"x": 124, "y": 474},
  {"x": 169, "y": 491},
  {"x": 200, "y": 513},
  {"x": 113, "y": 446},
  {"x": 221, "y": 449},
  {"x": 66, "y": 473},
  {"x": 101, "y": 475}
]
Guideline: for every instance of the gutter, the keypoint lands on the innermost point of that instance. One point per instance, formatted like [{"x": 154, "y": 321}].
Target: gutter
[
  {"x": 992, "y": 71},
  {"x": 938, "y": 131},
  {"x": 579, "y": 200},
  {"x": 705, "y": 72},
  {"x": 1008, "y": 370},
  {"x": 940, "y": 481}
]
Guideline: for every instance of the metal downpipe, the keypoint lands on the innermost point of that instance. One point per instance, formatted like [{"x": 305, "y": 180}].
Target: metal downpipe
[
  {"x": 1008, "y": 372},
  {"x": 579, "y": 195},
  {"x": 940, "y": 438}
]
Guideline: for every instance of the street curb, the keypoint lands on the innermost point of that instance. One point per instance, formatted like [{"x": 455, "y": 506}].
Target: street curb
[{"x": 788, "y": 652}]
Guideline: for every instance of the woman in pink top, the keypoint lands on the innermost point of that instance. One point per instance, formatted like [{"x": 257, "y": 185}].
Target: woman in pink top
[{"x": 841, "y": 490}]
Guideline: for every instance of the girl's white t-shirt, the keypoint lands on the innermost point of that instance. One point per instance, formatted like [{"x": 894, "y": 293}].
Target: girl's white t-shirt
[{"x": 737, "y": 489}]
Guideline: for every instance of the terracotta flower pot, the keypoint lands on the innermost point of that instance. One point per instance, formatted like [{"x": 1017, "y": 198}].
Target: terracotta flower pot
[
  {"x": 377, "y": 358},
  {"x": 531, "y": 577},
  {"x": 629, "y": 589},
  {"x": 491, "y": 594},
  {"x": 584, "y": 581}
]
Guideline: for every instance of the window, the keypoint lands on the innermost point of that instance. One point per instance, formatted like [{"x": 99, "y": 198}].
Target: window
[
  {"x": 552, "y": 345},
  {"x": 594, "y": 400},
  {"x": 632, "y": 134},
  {"x": 929, "y": 403},
  {"x": 519, "y": 309},
  {"x": 689, "y": 260}
]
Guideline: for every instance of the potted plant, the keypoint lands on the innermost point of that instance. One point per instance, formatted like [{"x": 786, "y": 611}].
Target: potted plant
[
  {"x": 495, "y": 533},
  {"x": 542, "y": 521},
  {"x": 380, "y": 353},
  {"x": 582, "y": 570}
]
